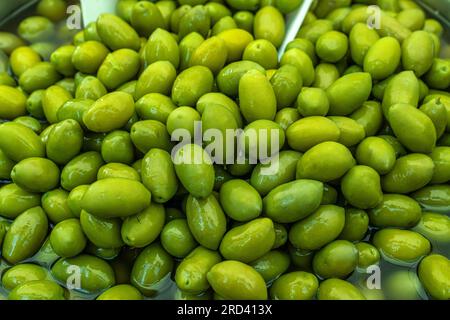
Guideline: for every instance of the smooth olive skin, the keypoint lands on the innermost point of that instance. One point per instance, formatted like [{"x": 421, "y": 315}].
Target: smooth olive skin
[
  {"x": 195, "y": 20},
  {"x": 155, "y": 106},
  {"x": 19, "y": 142},
  {"x": 286, "y": 116},
  {"x": 62, "y": 60},
  {"x": 395, "y": 143},
  {"x": 356, "y": 225},
  {"x": 237, "y": 281},
  {"x": 382, "y": 58},
  {"x": 149, "y": 134},
  {"x": 104, "y": 233},
  {"x": 434, "y": 226},
  {"x": 325, "y": 75},
  {"x": 14, "y": 200},
  {"x": 194, "y": 168},
  {"x": 368, "y": 255},
  {"x": 116, "y": 33},
  {"x": 81, "y": 170},
  {"x": 361, "y": 38},
  {"x": 351, "y": 132},
  {"x": 187, "y": 47},
  {"x": 142, "y": 229},
  {"x": 263, "y": 52},
  {"x": 332, "y": 46},
  {"x": 10, "y": 42},
  {"x": 67, "y": 238},
  {"x": 118, "y": 68},
  {"x": 228, "y": 79},
  {"x": 269, "y": 24},
  {"x": 212, "y": 53},
  {"x": 118, "y": 147},
  {"x": 56, "y": 206},
  {"x": 361, "y": 187},
  {"x": 401, "y": 246},
  {"x": 313, "y": 102},
  {"x": 272, "y": 265},
  {"x": 325, "y": 162},
  {"x": 53, "y": 99},
  {"x": 206, "y": 220},
  {"x": 377, "y": 154},
  {"x": 106, "y": 199},
  {"x": 370, "y": 116},
  {"x": 395, "y": 210},
  {"x": 409, "y": 174},
  {"x": 4, "y": 226},
  {"x": 437, "y": 112},
  {"x": 298, "y": 285},
  {"x": 343, "y": 97},
  {"x": 73, "y": 109},
  {"x": 150, "y": 270},
  {"x": 293, "y": 201},
  {"x": 249, "y": 241},
  {"x": 96, "y": 274},
  {"x": 240, "y": 200},
  {"x": 37, "y": 290},
  {"x": 29, "y": 122},
  {"x": 25, "y": 235},
  {"x": 402, "y": 89},
  {"x": 438, "y": 76},
  {"x": 406, "y": 122},
  {"x": 64, "y": 141},
  {"x": 264, "y": 180},
  {"x": 222, "y": 100},
  {"x": 34, "y": 104},
  {"x": 88, "y": 56},
  {"x": 74, "y": 199},
  {"x": 177, "y": 239},
  {"x": 150, "y": 80},
  {"x": 308, "y": 132},
  {"x": 319, "y": 228},
  {"x": 302, "y": 62},
  {"x": 185, "y": 118},
  {"x": 435, "y": 198},
  {"x": 110, "y": 112},
  {"x": 117, "y": 170},
  {"x": 435, "y": 277},
  {"x": 40, "y": 76},
  {"x": 191, "y": 274},
  {"x": 287, "y": 83},
  {"x": 145, "y": 18},
  {"x": 159, "y": 176},
  {"x": 418, "y": 52},
  {"x": 336, "y": 260},
  {"x": 121, "y": 292},
  {"x": 281, "y": 235},
  {"x": 337, "y": 289},
  {"x": 330, "y": 195},
  {"x": 441, "y": 160},
  {"x": 191, "y": 84},
  {"x": 12, "y": 103},
  {"x": 263, "y": 138},
  {"x": 23, "y": 273},
  {"x": 305, "y": 45},
  {"x": 257, "y": 97}
]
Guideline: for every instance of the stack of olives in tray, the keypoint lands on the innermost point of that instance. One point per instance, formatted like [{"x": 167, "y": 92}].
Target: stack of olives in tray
[{"x": 112, "y": 136}]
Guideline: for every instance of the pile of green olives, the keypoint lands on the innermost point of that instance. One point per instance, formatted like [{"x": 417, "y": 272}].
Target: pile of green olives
[{"x": 97, "y": 201}]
